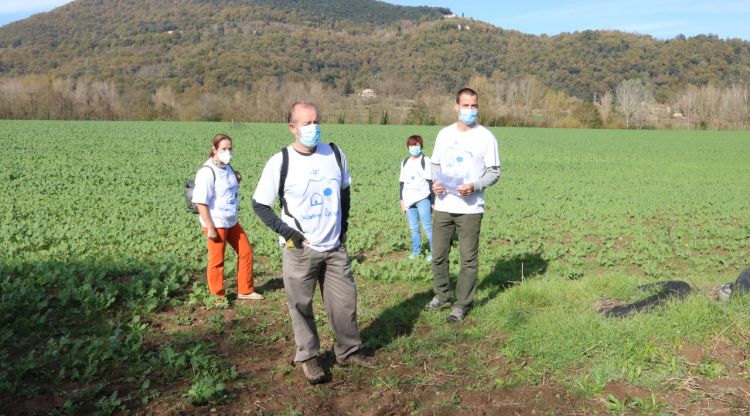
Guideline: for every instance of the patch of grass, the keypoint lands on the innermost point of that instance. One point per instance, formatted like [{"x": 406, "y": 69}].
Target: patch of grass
[
  {"x": 450, "y": 400},
  {"x": 578, "y": 216},
  {"x": 552, "y": 322},
  {"x": 638, "y": 405}
]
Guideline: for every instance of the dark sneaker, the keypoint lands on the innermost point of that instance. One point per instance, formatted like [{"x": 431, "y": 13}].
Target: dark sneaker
[
  {"x": 436, "y": 303},
  {"x": 357, "y": 359},
  {"x": 457, "y": 314},
  {"x": 313, "y": 372}
]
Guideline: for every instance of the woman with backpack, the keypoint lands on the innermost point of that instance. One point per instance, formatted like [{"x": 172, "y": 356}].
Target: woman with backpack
[
  {"x": 415, "y": 191},
  {"x": 216, "y": 198}
]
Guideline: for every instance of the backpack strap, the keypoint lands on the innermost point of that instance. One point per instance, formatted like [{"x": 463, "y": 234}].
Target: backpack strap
[
  {"x": 421, "y": 159},
  {"x": 337, "y": 153},
  {"x": 211, "y": 169},
  {"x": 190, "y": 186},
  {"x": 282, "y": 181},
  {"x": 282, "y": 174}
]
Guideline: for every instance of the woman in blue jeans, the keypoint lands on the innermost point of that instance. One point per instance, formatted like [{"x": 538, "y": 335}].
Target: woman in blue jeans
[{"x": 416, "y": 195}]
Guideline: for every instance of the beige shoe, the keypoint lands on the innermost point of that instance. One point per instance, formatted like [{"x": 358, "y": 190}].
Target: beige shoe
[{"x": 250, "y": 296}]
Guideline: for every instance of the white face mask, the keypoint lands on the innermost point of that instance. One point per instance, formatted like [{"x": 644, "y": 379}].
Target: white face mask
[{"x": 225, "y": 157}]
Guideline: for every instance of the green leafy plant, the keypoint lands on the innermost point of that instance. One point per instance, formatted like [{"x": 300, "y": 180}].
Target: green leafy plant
[{"x": 206, "y": 390}]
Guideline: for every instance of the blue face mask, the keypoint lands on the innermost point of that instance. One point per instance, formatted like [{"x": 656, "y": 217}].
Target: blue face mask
[
  {"x": 415, "y": 150},
  {"x": 468, "y": 116},
  {"x": 310, "y": 135}
]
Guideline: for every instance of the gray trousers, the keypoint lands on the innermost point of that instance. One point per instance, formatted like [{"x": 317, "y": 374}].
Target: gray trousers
[
  {"x": 467, "y": 227},
  {"x": 302, "y": 270}
]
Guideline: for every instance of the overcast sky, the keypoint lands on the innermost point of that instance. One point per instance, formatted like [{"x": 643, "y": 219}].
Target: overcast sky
[{"x": 661, "y": 19}]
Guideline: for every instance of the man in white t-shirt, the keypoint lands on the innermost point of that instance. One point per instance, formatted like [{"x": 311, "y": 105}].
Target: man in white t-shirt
[
  {"x": 312, "y": 181},
  {"x": 465, "y": 161}
]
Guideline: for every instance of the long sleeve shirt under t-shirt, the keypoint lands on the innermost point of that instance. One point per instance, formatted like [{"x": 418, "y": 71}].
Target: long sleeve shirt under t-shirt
[
  {"x": 464, "y": 157},
  {"x": 312, "y": 191}
]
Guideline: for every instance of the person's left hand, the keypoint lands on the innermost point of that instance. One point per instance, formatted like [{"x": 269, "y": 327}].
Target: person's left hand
[{"x": 465, "y": 189}]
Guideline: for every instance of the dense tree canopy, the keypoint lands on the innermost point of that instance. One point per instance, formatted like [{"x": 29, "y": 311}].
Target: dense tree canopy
[
  {"x": 200, "y": 59},
  {"x": 233, "y": 43}
]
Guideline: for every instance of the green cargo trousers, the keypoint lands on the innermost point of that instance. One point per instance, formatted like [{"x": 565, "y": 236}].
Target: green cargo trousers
[
  {"x": 467, "y": 227},
  {"x": 305, "y": 268}
]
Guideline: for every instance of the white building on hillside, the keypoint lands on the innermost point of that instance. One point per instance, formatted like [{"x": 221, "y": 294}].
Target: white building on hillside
[{"x": 367, "y": 93}]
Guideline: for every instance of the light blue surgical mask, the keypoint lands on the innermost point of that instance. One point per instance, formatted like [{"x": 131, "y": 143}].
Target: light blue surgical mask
[
  {"x": 468, "y": 116},
  {"x": 310, "y": 135},
  {"x": 415, "y": 150}
]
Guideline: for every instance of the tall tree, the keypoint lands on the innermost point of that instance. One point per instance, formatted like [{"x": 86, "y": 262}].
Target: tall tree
[{"x": 632, "y": 99}]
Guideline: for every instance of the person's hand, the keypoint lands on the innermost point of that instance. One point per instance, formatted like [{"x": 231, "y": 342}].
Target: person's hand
[
  {"x": 238, "y": 176},
  {"x": 403, "y": 209},
  {"x": 437, "y": 188},
  {"x": 211, "y": 234},
  {"x": 297, "y": 240},
  {"x": 465, "y": 189}
]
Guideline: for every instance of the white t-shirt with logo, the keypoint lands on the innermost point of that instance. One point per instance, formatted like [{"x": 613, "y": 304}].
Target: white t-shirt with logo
[
  {"x": 463, "y": 157},
  {"x": 220, "y": 195},
  {"x": 312, "y": 191},
  {"x": 415, "y": 180}
]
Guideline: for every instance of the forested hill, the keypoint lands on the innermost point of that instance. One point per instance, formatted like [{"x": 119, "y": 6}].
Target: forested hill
[{"x": 346, "y": 44}]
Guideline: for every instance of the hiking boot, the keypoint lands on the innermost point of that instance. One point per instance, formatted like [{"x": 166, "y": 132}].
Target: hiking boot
[
  {"x": 457, "y": 314},
  {"x": 250, "y": 296},
  {"x": 436, "y": 304},
  {"x": 313, "y": 372},
  {"x": 358, "y": 359}
]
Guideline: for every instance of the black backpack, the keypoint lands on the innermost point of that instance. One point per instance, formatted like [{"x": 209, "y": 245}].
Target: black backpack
[
  {"x": 188, "y": 191},
  {"x": 285, "y": 171}
]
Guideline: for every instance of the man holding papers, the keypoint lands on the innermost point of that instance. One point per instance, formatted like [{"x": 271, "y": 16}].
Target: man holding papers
[{"x": 465, "y": 162}]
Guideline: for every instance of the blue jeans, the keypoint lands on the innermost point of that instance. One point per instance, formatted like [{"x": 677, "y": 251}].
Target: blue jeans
[{"x": 420, "y": 210}]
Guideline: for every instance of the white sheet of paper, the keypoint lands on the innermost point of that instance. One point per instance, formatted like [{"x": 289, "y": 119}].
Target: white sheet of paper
[{"x": 450, "y": 183}]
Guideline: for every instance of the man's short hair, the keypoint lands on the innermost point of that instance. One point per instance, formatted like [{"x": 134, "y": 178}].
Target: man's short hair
[
  {"x": 302, "y": 103},
  {"x": 467, "y": 91}
]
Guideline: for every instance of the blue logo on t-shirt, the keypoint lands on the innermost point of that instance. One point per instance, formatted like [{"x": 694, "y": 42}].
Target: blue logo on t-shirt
[
  {"x": 320, "y": 205},
  {"x": 457, "y": 162},
  {"x": 316, "y": 200}
]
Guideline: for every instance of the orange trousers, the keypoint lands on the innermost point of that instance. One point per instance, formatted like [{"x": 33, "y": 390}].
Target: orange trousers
[{"x": 237, "y": 238}]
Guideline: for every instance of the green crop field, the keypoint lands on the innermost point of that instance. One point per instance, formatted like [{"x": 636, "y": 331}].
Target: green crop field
[{"x": 104, "y": 307}]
